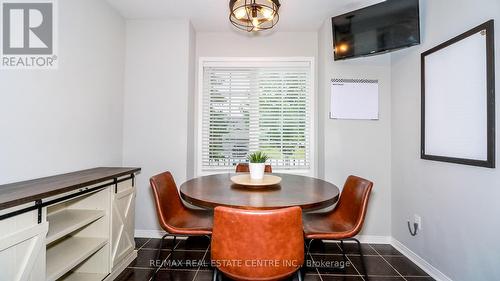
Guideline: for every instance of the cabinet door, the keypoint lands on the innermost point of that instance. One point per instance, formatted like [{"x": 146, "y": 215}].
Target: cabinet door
[
  {"x": 22, "y": 248},
  {"x": 122, "y": 225}
]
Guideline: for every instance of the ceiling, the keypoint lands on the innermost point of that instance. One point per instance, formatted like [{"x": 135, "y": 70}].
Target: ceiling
[{"x": 212, "y": 15}]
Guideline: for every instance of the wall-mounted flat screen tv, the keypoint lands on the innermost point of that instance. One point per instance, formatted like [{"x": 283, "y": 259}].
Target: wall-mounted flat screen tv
[{"x": 383, "y": 27}]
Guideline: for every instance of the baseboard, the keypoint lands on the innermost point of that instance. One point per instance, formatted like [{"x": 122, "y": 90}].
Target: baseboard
[
  {"x": 374, "y": 239},
  {"x": 370, "y": 239},
  {"x": 152, "y": 233},
  {"x": 149, "y": 233},
  {"x": 424, "y": 265}
]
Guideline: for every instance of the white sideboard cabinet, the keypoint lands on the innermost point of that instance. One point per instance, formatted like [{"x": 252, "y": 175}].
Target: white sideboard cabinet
[{"x": 76, "y": 226}]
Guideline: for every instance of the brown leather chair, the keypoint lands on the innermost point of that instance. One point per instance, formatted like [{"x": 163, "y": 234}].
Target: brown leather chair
[
  {"x": 174, "y": 217},
  {"x": 245, "y": 241},
  {"x": 346, "y": 219},
  {"x": 244, "y": 168}
]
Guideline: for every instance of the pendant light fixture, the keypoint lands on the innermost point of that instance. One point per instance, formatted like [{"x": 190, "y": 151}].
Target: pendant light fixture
[{"x": 254, "y": 15}]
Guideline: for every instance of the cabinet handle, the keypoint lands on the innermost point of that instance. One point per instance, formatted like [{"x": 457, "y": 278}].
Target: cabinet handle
[
  {"x": 38, "y": 203},
  {"x": 116, "y": 181}
]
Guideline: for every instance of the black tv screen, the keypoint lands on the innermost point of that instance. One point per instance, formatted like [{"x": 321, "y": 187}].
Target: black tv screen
[{"x": 387, "y": 26}]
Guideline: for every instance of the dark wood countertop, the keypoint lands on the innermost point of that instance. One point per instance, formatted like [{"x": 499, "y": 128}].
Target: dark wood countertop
[{"x": 18, "y": 193}]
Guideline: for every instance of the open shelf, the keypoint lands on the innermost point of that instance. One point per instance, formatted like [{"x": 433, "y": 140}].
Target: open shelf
[
  {"x": 64, "y": 255},
  {"x": 80, "y": 276},
  {"x": 66, "y": 221}
]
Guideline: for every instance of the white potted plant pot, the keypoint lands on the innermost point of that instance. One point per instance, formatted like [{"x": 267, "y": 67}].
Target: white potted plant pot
[{"x": 257, "y": 170}]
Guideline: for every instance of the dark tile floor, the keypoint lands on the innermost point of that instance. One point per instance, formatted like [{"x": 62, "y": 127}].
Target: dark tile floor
[{"x": 192, "y": 258}]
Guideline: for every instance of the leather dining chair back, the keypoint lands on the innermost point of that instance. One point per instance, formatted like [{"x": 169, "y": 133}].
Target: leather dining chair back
[
  {"x": 244, "y": 168},
  {"x": 353, "y": 202},
  {"x": 253, "y": 237},
  {"x": 174, "y": 217},
  {"x": 167, "y": 200}
]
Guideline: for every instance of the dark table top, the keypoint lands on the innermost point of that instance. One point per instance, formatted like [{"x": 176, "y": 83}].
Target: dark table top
[
  {"x": 294, "y": 190},
  {"x": 18, "y": 193}
]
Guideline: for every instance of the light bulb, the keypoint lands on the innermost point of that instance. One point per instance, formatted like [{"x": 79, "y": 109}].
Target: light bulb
[
  {"x": 240, "y": 13},
  {"x": 342, "y": 48},
  {"x": 268, "y": 13},
  {"x": 255, "y": 22}
]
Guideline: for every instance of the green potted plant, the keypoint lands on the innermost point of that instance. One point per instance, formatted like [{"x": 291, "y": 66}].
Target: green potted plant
[{"x": 257, "y": 164}]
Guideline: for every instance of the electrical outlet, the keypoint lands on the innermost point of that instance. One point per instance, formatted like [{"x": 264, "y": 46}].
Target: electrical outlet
[{"x": 418, "y": 220}]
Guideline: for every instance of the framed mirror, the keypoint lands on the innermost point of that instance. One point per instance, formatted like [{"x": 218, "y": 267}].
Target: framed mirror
[{"x": 458, "y": 99}]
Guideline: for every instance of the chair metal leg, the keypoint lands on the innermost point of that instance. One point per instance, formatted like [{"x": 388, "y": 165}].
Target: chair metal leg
[
  {"x": 158, "y": 253},
  {"x": 174, "y": 244},
  {"x": 161, "y": 245},
  {"x": 209, "y": 244},
  {"x": 361, "y": 257},
  {"x": 308, "y": 247},
  {"x": 215, "y": 275},
  {"x": 299, "y": 274},
  {"x": 344, "y": 257},
  {"x": 172, "y": 251},
  {"x": 220, "y": 277}
]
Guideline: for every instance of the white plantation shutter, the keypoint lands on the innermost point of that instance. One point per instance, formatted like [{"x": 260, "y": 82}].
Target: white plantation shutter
[{"x": 256, "y": 108}]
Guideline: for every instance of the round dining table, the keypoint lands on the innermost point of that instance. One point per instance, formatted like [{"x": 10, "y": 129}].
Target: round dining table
[{"x": 293, "y": 190}]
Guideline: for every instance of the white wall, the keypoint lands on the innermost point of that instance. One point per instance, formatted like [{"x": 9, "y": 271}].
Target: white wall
[
  {"x": 190, "y": 167},
  {"x": 55, "y": 121},
  {"x": 357, "y": 147},
  {"x": 156, "y": 105},
  {"x": 242, "y": 44},
  {"x": 458, "y": 204}
]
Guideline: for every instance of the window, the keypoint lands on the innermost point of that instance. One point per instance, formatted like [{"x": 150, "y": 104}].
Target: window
[{"x": 251, "y": 106}]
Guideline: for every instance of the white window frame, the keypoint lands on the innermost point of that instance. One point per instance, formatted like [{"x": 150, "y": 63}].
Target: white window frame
[{"x": 255, "y": 62}]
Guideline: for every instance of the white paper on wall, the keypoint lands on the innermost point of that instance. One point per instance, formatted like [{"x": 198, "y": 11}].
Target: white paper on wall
[{"x": 354, "y": 99}]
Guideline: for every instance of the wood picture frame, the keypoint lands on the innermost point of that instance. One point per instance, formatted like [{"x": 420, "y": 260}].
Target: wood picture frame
[{"x": 452, "y": 142}]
